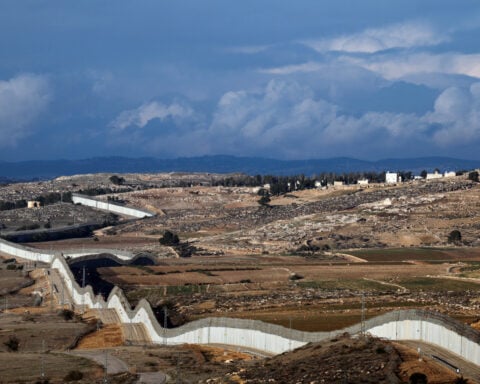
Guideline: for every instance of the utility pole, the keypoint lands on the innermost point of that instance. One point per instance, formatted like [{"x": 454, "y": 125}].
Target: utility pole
[
  {"x": 72, "y": 294},
  {"x": 290, "y": 341},
  {"x": 51, "y": 289},
  {"x": 165, "y": 314},
  {"x": 105, "y": 377},
  {"x": 362, "y": 327},
  {"x": 83, "y": 291},
  {"x": 42, "y": 374}
]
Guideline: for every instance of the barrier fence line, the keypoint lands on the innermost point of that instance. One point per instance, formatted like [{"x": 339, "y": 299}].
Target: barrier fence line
[
  {"x": 110, "y": 206},
  {"x": 413, "y": 324}
]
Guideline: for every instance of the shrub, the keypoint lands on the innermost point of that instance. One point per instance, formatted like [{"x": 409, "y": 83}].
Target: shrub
[
  {"x": 67, "y": 314},
  {"x": 380, "y": 350},
  {"x": 116, "y": 180},
  {"x": 295, "y": 277},
  {"x": 455, "y": 237},
  {"x": 73, "y": 376},
  {"x": 473, "y": 176},
  {"x": 12, "y": 343},
  {"x": 169, "y": 238},
  {"x": 264, "y": 200},
  {"x": 418, "y": 378}
]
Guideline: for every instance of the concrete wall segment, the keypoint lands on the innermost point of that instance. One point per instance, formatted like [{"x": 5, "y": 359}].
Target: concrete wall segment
[
  {"x": 110, "y": 207},
  {"x": 431, "y": 327}
]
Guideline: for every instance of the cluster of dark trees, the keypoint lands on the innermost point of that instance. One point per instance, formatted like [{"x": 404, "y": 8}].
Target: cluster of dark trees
[
  {"x": 284, "y": 184},
  {"x": 102, "y": 191}
]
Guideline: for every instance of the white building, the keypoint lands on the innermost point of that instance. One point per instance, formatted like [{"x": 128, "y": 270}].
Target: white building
[
  {"x": 392, "y": 178},
  {"x": 449, "y": 174},
  {"x": 363, "y": 182},
  {"x": 435, "y": 175},
  {"x": 338, "y": 183}
]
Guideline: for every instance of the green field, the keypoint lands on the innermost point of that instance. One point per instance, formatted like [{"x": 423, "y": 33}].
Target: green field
[
  {"x": 419, "y": 254},
  {"x": 351, "y": 284},
  {"x": 437, "y": 284}
]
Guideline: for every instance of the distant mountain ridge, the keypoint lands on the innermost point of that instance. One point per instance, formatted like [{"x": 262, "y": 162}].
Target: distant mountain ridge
[{"x": 46, "y": 169}]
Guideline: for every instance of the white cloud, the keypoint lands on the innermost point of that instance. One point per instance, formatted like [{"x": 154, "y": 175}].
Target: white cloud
[
  {"x": 142, "y": 115},
  {"x": 22, "y": 100},
  {"x": 393, "y": 67},
  {"x": 309, "y": 66},
  {"x": 457, "y": 112},
  {"x": 401, "y": 35},
  {"x": 249, "y": 49},
  {"x": 286, "y": 119}
]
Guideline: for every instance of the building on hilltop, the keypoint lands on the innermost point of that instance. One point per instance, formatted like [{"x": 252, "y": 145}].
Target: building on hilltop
[
  {"x": 392, "y": 178},
  {"x": 435, "y": 175},
  {"x": 34, "y": 204}
]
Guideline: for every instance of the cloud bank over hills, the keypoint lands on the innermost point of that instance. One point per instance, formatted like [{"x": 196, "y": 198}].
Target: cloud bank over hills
[{"x": 299, "y": 80}]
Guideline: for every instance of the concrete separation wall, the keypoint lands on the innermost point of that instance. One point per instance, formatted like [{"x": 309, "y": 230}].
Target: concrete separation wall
[
  {"x": 431, "y": 327},
  {"x": 109, "y": 206},
  {"x": 46, "y": 256}
]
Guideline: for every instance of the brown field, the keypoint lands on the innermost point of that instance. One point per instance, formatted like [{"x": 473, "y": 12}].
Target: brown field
[{"x": 27, "y": 367}]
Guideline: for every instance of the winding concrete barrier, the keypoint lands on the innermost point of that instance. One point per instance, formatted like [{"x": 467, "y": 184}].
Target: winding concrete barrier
[
  {"x": 110, "y": 206},
  {"x": 430, "y": 327},
  {"x": 46, "y": 256}
]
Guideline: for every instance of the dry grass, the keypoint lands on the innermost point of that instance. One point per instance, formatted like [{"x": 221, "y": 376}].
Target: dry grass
[{"x": 27, "y": 367}]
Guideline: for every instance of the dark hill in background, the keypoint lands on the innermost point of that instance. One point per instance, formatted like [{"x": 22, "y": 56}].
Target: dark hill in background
[{"x": 223, "y": 164}]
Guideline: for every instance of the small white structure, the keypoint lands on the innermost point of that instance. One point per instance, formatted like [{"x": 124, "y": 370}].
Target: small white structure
[
  {"x": 34, "y": 204},
  {"x": 392, "y": 178},
  {"x": 266, "y": 186},
  {"x": 318, "y": 184},
  {"x": 363, "y": 182},
  {"x": 449, "y": 174},
  {"x": 435, "y": 175},
  {"x": 338, "y": 183}
]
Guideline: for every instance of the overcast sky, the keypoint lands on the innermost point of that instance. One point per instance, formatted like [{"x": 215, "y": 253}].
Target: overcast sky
[{"x": 276, "y": 78}]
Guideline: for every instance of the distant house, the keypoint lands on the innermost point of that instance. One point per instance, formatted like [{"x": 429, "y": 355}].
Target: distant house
[
  {"x": 33, "y": 204},
  {"x": 392, "y": 178},
  {"x": 318, "y": 184},
  {"x": 363, "y": 182},
  {"x": 449, "y": 174},
  {"x": 435, "y": 175},
  {"x": 338, "y": 183}
]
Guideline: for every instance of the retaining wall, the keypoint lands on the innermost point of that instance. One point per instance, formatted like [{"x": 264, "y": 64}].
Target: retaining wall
[
  {"x": 427, "y": 326},
  {"x": 109, "y": 206}
]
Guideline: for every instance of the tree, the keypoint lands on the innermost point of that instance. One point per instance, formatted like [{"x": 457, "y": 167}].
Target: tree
[
  {"x": 264, "y": 200},
  {"x": 12, "y": 343},
  {"x": 473, "y": 176},
  {"x": 455, "y": 237},
  {"x": 423, "y": 174},
  {"x": 117, "y": 180},
  {"x": 169, "y": 238}
]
